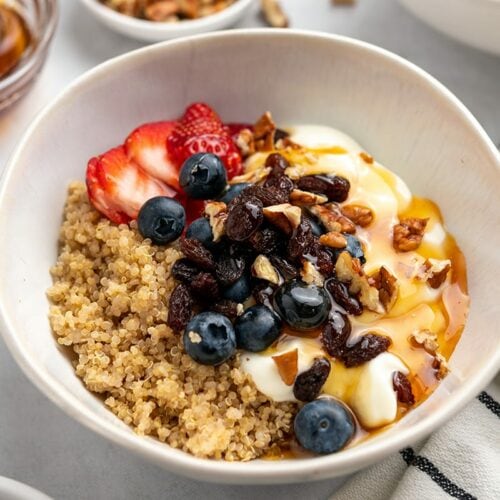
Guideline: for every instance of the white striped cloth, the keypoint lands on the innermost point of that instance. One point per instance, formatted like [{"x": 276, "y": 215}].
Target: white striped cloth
[{"x": 460, "y": 460}]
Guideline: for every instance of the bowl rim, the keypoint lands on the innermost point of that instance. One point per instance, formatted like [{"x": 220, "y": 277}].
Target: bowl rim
[
  {"x": 163, "y": 28},
  {"x": 256, "y": 471}
]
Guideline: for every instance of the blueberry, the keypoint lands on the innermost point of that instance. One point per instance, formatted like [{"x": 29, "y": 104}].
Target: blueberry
[
  {"x": 353, "y": 247},
  {"x": 201, "y": 230},
  {"x": 161, "y": 219},
  {"x": 239, "y": 290},
  {"x": 203, "y": 176},
  {"x": 257, "y": 328},
  {"x": 316, "y": 228},
  {"x": 302, "y": 306},
  {"x": 209, "y": 338},
  {"x": 324, "y": 426},
  {"x": 233, "y": 191}
]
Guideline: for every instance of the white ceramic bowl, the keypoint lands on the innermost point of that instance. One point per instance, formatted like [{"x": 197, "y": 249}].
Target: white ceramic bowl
[
  {"x": 14, "y": 490},
  {"x": 401, "y": 115},
  {"x": 474, "y": 22},
  {"x": 157, "y": 32}
]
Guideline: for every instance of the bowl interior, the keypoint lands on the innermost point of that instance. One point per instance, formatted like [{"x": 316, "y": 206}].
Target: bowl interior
[{"x": 406, "y": 120}]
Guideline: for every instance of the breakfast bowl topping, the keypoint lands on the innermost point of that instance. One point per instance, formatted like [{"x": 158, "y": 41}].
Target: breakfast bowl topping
[{"x": 242, "y": 268}]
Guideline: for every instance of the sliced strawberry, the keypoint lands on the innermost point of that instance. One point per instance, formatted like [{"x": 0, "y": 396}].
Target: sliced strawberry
[
  {"x": 201, "y": 130},
  {"x": 118, "y": 187},
  {"x": 147, "y": 146}
]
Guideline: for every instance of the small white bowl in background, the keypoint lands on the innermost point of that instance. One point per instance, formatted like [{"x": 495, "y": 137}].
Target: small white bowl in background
[
  {"x": 14, "y": 490},
  {"x": 474, "y": 22},
  {"x": 401, "y": 115},
  {"x": 152, "y": 31}
]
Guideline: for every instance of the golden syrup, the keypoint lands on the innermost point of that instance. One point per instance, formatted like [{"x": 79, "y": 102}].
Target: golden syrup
[{"x": 14, "y": 39}]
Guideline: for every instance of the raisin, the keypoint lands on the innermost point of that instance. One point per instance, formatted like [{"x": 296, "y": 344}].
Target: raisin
[
  {"x": 196, "y": 253},
  {"x": 368, "y": 347},
  {"x": 278, "y": 164},
  {"x": 269, "y": 195},
  {"x": 287, "y": 270},
  {"x": 340, "y": 294},
  {"x": 308, "y": 384},
  {"x": 184, "y": 270},
  {"x": 263, "y": 292},
  {"x": 336, "y": 333},
  {"x": 301, "y": 241},
  {"x": 266, "y": 241},
  {"x": 229, "y": 269},
  {"x": 403, "y": 388},
  {"x": 205, "y": 287},
  {"x": 179, "y": 308},
  {"x": 325, "y": 259},
  {"x": 226, "y": 307},
  {"x": 335, "y": 188},
  {"x": 244, "y": 219}
]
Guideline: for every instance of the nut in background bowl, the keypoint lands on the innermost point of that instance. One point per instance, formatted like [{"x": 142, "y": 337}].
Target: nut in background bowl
[
  {"x": 441, "y": 151},
  {"x": 41, "y": 20},
  {"x": 152, "y": 31}
]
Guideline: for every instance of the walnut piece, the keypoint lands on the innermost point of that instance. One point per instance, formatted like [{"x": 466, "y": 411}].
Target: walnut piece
[
  {"x": 245, "y": 142},
  {"x": 263, "y": 132},
  {"x": 387, "y": 286},
  {"x": 408, "y": 234},
  {"x": 217, "y": 212},
  {"x": 310, "y": 274},
  {"x": 285, "y": 216},
  {"x": 273, "y": 14},
  {"x": 304, "y": 198},
  {"x": 425, "y": 339},
  {"x": 360, "y": 215},
  {"x": 434, "y": 272},
  {"x": 333, "y": 239},
  {"x": 333, "y": 220},
  {"x": 349, "y": 271},
  {"x": 441, "y": 366},
  {"x": 288, "y": 365},
  {"x": 253, "y": 176},
  {"x": 264, "y": 270}
]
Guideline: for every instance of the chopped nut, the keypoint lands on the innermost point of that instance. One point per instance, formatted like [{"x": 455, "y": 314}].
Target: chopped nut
[
  {"x": 434, "y": 272},
  {"x": 263, "y": 132},
  {"x": 408, "y": 234},
  {"x": 264, "y": 270},
  {"x": 253, "y": 176},
  {"x": 310, "y": 274},
  {"x": 240, "y": 309},
  {"x": 387, "y": 286},
  {"x": 360, "y": 215},
  {"x": 366, "y": 157},
  {"x": 284, "y": 216},
  {"x": 425, "y": 339},
  {"x": 332, "y": 218},
  {"x": 349, "y": 270},
  {"x": 217, "y": 212},
  {"x": 194, "y": 337},
  {"x": 441, "y": 366},
  {"x": 245, "y": 142},
  {"x": 273, "y": 14},
  {"x": 161, "y": 10},
  {"x": 304, "y": 198},
  {"x": 333, "y": 239},
  {"x": 288, "y": 365}
]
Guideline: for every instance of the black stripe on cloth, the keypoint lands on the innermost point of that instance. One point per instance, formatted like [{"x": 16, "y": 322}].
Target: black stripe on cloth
[
  {"x": 490, "y": 403},
  {"x": 425, "y": 465}
]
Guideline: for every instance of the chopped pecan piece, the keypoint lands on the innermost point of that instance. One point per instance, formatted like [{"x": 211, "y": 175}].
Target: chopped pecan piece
[
  {"x": 441, "y": 366},
  {"x": 161, "y": 10},
  {"x": 387, "y": 286},
  {"x": 252, "y": 176},
  {"x": 285, "y": 216},
  {"x": 425, "y": 339},
  {"x": 288, "y": 365},
  {"x": 360, "y": 215},
  {"x": 263, "y": 133},
  {"x": 217, "y": 212},
  {"x": 434, "y": 272},
  {"x": 273, "y": 14},
  {"x": 310, "y": 274},
  {"x": 333, "y": 239},
  {"x": 245, "y": 142},
  {"x": 333, "y": 220},
  {"x": 304, "y": 198},
  {"x": 264, "y": 270},
  {"x": 408, "y": 234}
]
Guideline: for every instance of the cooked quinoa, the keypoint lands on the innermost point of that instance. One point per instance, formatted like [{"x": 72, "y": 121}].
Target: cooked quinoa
[{"x": 109, "y": 305}]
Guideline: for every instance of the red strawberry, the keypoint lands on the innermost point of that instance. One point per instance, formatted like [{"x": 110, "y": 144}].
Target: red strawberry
[
  {"x": 234, "y": 129},
  {"x": 118, "y": 187},
  {"x": 201, "y": 130},
  {"x": 147, "y": 146}
]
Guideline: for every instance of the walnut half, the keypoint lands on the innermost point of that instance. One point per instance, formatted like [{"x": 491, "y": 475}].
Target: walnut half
[{"x": 408, "y": 234}]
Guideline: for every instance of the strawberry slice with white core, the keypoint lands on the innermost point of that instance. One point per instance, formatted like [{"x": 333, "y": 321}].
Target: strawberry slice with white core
[
  {"x": 147, "y": 146},
  {"x": 118, "y": 187}
]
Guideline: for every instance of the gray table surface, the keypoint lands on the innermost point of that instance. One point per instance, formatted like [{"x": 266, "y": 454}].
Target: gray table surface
[{"x": 43, "y": 447}]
